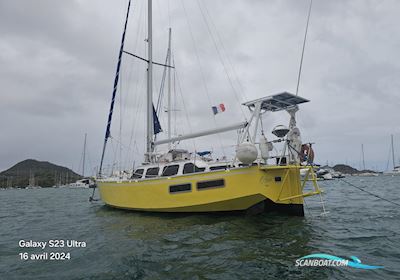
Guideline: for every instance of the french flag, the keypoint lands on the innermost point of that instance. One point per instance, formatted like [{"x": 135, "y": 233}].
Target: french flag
[{"x": 218, "y": 109}]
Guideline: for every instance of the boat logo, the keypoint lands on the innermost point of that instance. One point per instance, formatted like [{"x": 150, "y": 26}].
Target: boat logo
[{"x": 330, "y": 260}]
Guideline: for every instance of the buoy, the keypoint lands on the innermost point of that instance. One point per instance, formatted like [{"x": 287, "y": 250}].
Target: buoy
[{"x": 246, "y": 152}]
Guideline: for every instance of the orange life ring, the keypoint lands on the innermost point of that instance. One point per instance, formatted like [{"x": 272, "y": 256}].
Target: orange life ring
[{"x": 306, "y": 153}]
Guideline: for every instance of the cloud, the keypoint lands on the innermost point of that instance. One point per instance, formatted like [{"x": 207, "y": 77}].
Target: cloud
[{"x": 58, "y": 63}]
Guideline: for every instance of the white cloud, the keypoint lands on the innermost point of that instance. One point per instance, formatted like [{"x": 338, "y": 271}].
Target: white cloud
[{"x": 58, "y": 60}]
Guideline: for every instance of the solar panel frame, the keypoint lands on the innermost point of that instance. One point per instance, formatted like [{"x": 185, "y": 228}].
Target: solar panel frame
[{"x": 278, "y": 102}]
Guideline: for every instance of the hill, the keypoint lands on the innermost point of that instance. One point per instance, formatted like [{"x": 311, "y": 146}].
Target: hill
[
  {"x": 43, "y": 173},
  {"x": 345, "y": 169}
]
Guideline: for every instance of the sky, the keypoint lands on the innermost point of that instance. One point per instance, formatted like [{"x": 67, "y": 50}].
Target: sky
[{"x": 58, "y": 60}]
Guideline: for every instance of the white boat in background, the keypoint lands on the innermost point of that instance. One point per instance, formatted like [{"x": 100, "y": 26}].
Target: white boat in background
[
  {"x": 85, "y": 182},
  {"x": 82, "y": 183},
  {"x": 396, "y": 170},
  {"x": 324, "y": 174}
]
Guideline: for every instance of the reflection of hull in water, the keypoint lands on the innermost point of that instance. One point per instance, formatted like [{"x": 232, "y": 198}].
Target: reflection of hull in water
[
  {"x": 368, "y": 174},
  {"x": 253, "y": 189},
  {"x": 392, "y": 173}
]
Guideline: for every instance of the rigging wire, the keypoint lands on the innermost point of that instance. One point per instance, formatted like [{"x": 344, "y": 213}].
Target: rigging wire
[
  {"x": 304, "y": 45},
  {"x": 128, "y": 73},
  {"x": 184, "y": 105},
  {"x": 162, "y": 85},
  {"x": 139, "y": 84},
  {"x": 201, "y": 72},
  {"x": 370, "y": 193},
  {"x": 136, "y": 116},
  {"x": 224, "y": 51},
  {"x": 221, "y": 59}
]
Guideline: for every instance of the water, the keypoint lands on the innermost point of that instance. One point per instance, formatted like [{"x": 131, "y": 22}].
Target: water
[{"x": 129, "y": 245}]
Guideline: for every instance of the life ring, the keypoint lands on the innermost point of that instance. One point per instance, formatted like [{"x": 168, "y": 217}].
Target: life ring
[{"x": 306, "y": 153}]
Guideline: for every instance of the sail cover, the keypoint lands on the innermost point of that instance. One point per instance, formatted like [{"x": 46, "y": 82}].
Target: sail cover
[{"x": 156, "y": 122}]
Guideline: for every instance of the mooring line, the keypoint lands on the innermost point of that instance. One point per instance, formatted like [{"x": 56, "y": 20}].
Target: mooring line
[{"x": 370, "y": 193}]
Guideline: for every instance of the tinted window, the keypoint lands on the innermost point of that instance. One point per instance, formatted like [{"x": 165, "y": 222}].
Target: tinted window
[
  {"x": 170, "y": 170},
  {"x": 138, "y": 173},
  {"x": 180, "y": 188},
  {"x": 191, "y": 168},
  {"x": 210, "y": 184},
  {"x": 218, "y": 167},
  {"x": 152, "y": 172}
]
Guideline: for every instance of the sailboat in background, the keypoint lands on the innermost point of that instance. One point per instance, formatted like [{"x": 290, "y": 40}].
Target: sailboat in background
[
  {"x": 84, "y": 182},
  {"x": 365, "y": 172},
  {"x": 31, "y": 182},
  {"x": 396, "y": 169},
  {"x": 177, "y": 180}
]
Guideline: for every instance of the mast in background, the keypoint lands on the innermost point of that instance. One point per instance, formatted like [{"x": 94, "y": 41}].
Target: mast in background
[
  {"x": 363, "y": 159},
  {"x": 394, "y": 163},
  {"x": 84, "y": 156}
]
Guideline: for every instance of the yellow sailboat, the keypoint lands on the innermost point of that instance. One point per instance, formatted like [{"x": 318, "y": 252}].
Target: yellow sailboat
[{"x": 253, "y": 181}]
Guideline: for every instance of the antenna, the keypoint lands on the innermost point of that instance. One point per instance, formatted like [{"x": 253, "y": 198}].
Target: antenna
[{"x": 304, "y": 46}]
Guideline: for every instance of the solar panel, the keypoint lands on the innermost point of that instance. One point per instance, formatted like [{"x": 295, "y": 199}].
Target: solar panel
[{"x": 277, "y": 102}]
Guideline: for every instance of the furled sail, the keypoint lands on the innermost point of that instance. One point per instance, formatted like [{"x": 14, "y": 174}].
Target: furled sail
[
  {"x": 114, "y": 92},
  {"x": 156, "y": 122}
]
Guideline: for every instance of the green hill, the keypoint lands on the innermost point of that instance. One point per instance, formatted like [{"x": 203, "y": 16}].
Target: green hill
[
  {"x": 43, "y": 173},
  {"x": 345, "y": 169}
]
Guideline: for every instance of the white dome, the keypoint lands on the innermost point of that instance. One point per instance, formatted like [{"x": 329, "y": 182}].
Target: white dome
[{"x": 246, "y": 153}]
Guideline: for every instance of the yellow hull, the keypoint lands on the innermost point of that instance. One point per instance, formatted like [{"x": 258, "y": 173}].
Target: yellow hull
[{"x": 243, "y": 188}]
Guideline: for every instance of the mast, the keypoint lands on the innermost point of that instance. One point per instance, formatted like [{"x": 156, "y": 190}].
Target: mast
[
  {"x": 362, "y": 151},
  {"x": 150, "y": 130},
  {"x": 169, "y": 88},
  {"x": 394, "y": 164},
  {"x": 84, "y": 156}
]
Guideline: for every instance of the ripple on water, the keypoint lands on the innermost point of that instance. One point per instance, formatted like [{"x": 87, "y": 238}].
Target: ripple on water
[{"x": 131, "y": 245}]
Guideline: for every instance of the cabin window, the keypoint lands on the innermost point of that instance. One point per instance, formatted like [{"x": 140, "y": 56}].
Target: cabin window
[
  {"x": 152, "y": 172},
  {"x": 170, "y": 170},
  {"x": 138, "y": 173},
  {"x": 220, "y": 183},
  {"x": 180, "y": 188},
  {"x": 218, "y": 167},
  {"x": 191, "y": 168}
]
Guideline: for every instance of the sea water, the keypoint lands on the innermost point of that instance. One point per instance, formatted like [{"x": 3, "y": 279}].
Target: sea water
[{"x": 91, "y": 241}]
